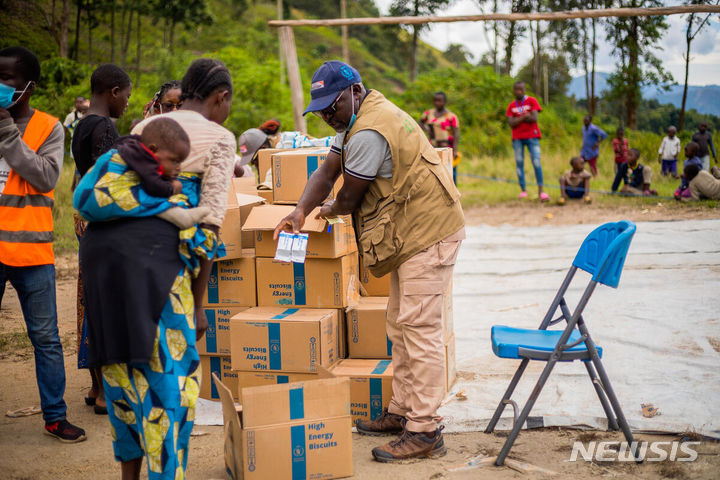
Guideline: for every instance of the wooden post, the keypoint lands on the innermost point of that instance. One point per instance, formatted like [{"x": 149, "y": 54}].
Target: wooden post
[
  {"x": 344, "y": 28},
  {"x": 287, "y": 40},
  {"x": 545, "y": 84},
  {"x": 280, "y": 52}
]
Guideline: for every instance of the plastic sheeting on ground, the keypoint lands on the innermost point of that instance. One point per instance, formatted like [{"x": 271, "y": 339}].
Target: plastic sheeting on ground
[{"x": 660, "y": 330}]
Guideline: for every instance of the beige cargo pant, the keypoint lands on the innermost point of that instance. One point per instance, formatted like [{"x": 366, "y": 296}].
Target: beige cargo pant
[{"x": 415, "y": 328}]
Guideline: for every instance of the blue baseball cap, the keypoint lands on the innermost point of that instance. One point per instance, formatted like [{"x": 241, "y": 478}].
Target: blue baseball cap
[{"x": 328, "y": 81}]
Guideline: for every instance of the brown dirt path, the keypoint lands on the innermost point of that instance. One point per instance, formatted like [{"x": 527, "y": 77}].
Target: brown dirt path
[{"x": 28, "y": 454}]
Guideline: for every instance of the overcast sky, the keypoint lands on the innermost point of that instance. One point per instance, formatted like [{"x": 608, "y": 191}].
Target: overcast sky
[{"x": 704, "y": 69}]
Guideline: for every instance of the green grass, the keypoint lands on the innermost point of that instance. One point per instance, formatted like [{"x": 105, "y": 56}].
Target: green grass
[
  {"x": 14, "y": 340},
  {"x": 487, "y": 192},
  {"x": 65, "y": 240}
]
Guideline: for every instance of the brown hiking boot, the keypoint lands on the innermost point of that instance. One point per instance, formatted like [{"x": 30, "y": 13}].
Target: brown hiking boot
[
  {"x": 385, "y": 424},
  {"x": 411, "y": 445}
]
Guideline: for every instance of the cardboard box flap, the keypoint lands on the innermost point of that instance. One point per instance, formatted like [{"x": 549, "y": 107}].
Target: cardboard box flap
[
  {"x": 283, "y": 403},
  {"x": 370, "y": 303},
  {"x": 242, "y": 185},
  {"x": 247, "y": 199},
  {"x": 267, "y": 217},
  {"x": 233, "y": 431},
  {"x": 352, "y": 367},
  {"x": 280, "y": 313},
  {"x": 302, "y": 152}
]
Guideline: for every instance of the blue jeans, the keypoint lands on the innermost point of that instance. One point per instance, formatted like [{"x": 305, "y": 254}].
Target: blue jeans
[
  {"x": 35, "y": 287},
  {"x": 533, "y": 146}
]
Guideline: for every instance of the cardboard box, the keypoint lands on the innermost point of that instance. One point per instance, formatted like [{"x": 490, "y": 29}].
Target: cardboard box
[
  {"x": 265, "y": 161},
  {"x": 450, "y": 368},
  {"x": 221, "y": 367},
  {"x": 342, "y": 335},
  {"x": 242, "y": 197},
  {"x": 291, "y": 171},
  {"x": 370, "y": 386},
  {"x": 447, "y": 157},
  {"x": 232, "y": 282},
  {"x": 259, "y": 379},
  {"x": 317, "y": 283},
  {"x": 338, "y": 241},
  {"x": 297, "y": 430},
  {"x": 371, "y": 286},
  {"x": 267, "y": 195},
  {"x": 216, "y": 340},
  {"x": 367, "y": 332},
  {"x": 287, "y": 340}
]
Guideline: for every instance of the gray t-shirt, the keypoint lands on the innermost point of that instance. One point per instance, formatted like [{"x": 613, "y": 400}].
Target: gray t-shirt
[
  {"x": 367, "y": 155},
  {"x": 41, "y": 169}
]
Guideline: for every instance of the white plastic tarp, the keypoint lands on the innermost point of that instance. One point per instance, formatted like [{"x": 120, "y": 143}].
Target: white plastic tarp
[{"x": 660, "y": 330}]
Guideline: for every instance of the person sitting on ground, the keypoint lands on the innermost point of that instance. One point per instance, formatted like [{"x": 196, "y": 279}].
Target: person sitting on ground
[
  {"x": 620, "y": 147},
  {"x": 703, "y": 185},
  {"x": 635, "y": 176},
  {"x": 575, "y": 182},
  {"x": 155, "y": 156},
  {"x": 592, "y": 136},
  {"x": 691, "y": 158},
  {"x": 668, "y": 153}
]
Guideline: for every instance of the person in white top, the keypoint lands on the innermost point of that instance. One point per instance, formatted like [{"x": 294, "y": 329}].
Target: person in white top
[{"x": 668, "y": 153}]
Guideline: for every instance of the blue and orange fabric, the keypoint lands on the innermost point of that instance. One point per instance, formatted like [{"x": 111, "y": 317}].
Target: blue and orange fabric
[
  {"x": 110, "y": 190},
  {"x": 26, "y": 222}
]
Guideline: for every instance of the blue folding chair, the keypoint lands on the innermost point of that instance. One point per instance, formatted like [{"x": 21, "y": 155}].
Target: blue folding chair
[{"x": 602, "y": 255}]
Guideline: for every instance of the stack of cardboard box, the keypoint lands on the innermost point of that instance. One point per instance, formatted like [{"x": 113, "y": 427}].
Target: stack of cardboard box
[
  {"x": 284, "y": 322},
  {"x": 231, "y": 287}
]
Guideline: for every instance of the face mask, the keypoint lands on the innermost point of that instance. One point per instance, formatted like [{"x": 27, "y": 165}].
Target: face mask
[
  {"x": 353, "y": 117},
  {"x": 7, "y": 93}
]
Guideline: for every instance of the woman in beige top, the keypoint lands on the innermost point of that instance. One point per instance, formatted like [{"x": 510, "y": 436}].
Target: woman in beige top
[{"x": 161, "y": 392}]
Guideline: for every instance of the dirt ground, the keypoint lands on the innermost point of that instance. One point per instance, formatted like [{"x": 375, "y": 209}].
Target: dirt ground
[{"x": 28, "y": 454}]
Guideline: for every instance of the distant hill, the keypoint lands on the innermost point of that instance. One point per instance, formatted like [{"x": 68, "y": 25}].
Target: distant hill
[{"x": 704, "y": 99}]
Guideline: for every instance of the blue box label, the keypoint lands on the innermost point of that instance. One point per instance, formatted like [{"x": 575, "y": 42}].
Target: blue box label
[
  {"x": 297, "y": 442},
  {"x": 275, "y": 353}
]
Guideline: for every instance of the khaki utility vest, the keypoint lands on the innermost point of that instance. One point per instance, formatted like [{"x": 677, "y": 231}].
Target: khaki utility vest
[{"x": 414, "y": 210}]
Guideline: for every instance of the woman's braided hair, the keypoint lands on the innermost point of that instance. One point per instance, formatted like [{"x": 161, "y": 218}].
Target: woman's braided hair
[
  {"x": 203, "y": 77},
  {"x": 164, "y": 88}
]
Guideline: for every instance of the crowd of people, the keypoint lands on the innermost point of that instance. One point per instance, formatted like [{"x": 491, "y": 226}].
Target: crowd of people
[{"x": 635, "y": 177}]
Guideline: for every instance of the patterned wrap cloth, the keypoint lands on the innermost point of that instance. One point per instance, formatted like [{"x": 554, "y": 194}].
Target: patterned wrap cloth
[{"x": 151, "y": 405}]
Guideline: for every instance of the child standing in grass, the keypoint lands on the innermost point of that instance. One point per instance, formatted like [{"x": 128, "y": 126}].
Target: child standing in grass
[
  {"x": 575, "y": 182},
  {"x": 668, "y": 153},
  {"x": 620, "y": 147}
]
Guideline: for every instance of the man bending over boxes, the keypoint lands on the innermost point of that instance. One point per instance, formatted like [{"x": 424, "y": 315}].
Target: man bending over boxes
[{"x": 409, "y": 223}]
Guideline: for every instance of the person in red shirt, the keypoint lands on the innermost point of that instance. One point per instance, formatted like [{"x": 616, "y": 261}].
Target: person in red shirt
[
  {"x": 522, "y": 115},
  {"x": 620, "y": 147}
]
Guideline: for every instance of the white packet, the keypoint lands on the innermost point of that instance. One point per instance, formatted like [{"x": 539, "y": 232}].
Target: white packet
[
  {"x": 284, "y": 247},
  {"x": 299, "y": 247}
]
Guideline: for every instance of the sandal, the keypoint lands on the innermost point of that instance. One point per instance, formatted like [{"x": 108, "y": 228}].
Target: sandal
[
  {"x": 23, "y": 412},
  {"x": 90, "y": 401}
]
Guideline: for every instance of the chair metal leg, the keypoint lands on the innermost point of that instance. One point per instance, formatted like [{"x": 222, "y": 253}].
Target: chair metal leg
[
  {"x": 612, "y": 422},
  {"x": 508, "y": 393},
  {"x": 621, "y": 420},
  {"x": 607, "y": 387},
  {"x": 525, "y": 412}
]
